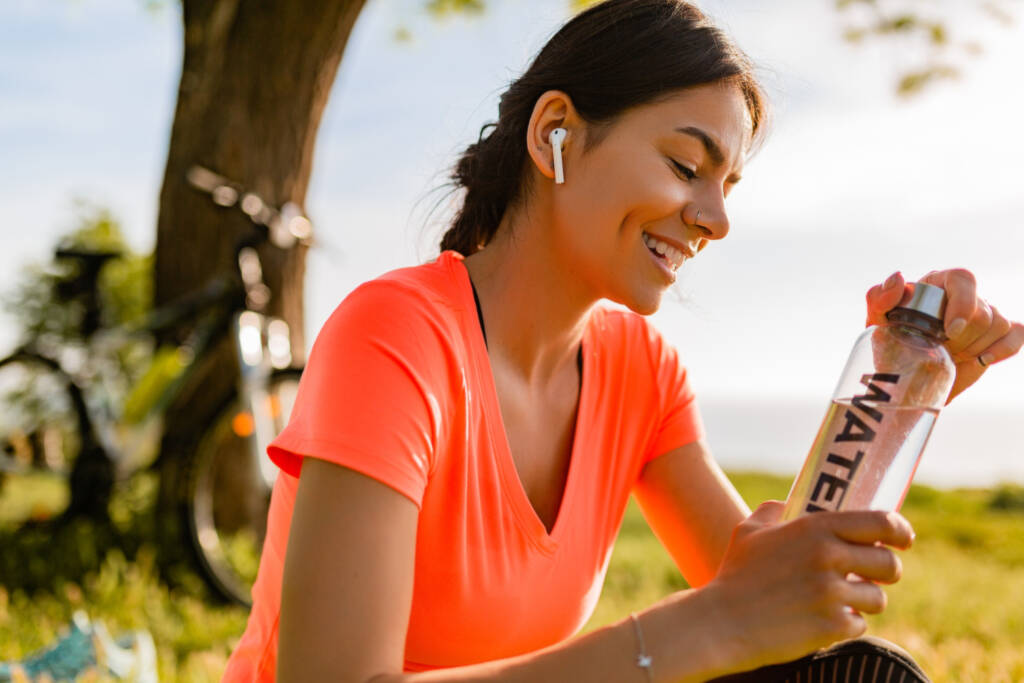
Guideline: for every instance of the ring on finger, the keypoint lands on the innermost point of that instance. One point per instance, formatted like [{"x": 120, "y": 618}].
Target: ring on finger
[{"x": 981, "y": 362}]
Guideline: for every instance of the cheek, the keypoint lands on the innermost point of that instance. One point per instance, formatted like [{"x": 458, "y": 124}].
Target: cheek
[
  {"x": 652, "y": 197},
  {"x": 641, "y": 186},
  {"x": 667, "y": 195},
  {"x": 615, "y": 199},
  {"x": 647, "y": 184}
]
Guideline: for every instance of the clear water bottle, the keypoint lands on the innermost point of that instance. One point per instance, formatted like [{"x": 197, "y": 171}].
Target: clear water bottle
[{"x": 882, "y": 413}]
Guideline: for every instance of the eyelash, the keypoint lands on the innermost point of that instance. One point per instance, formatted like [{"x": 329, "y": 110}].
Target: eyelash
[{"x": 687, "y": 173}]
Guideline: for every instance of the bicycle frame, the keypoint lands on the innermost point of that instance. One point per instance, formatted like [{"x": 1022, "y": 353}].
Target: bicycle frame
[
  {"x": 229, "y": 441},
  {"x": 262, "y": 343},
  {"x": 223, "y": 306},
  {"x": 90, "y": 380}
]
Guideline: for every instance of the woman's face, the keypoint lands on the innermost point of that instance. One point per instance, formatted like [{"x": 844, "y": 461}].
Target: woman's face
[{"x": 626, "y": 217}]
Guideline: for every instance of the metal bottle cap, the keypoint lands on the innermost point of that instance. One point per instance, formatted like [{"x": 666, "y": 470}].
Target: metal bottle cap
[{"x": 928, "y": 299}]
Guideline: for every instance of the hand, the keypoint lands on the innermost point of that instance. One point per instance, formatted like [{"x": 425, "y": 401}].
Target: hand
[
  {"x": 785, "y": 589},
  {"x": 979, "y": 335}
]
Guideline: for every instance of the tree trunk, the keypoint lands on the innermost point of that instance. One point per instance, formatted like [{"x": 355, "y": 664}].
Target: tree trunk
[{"x": 254, "y": 83}]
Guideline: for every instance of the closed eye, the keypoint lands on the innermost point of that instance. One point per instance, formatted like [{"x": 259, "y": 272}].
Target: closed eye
[{"x": 686, "y": 172}]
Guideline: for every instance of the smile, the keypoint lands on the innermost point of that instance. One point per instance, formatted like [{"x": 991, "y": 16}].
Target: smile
[{"x": 667, "y": 255}]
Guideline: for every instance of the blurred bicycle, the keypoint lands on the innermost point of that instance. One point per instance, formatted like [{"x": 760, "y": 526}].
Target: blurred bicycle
[{"x": 66, "y": 414}]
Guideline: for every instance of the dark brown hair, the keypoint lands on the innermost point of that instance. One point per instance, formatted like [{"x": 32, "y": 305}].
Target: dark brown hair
[{"x": 614, "y": 56}]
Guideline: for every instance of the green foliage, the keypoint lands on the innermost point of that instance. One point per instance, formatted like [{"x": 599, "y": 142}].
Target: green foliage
[
  {"x": 915, "y": 22},
  {"x": 34, "y": 496},
  {"x": 193, "y": 638},
  {"x": 916, "y": 81},
  {"x": 756, "y": 487},
  {"x": 957, "y": 609},
  {"x": 125, "y": 283},
  {"x": 41, "y": 556},
  {"x": 444, "y": 8},
  {"x": 1008, "y": 498},
  {"x": 49, "y": 303},
  {"x": 884, "y": 18}
]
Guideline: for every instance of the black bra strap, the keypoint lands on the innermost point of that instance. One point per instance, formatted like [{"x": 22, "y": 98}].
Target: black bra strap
[
  {"x": 480, "y": 317},
  {"x": 479, "y": 311}
]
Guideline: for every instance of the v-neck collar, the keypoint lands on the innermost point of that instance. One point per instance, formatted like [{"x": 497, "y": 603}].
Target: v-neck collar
[{"x": 525, "y": 513}]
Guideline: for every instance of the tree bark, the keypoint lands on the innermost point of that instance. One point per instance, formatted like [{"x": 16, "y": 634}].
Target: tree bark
[
  {"x": 255, "y": 79},
  {"x": 254, "y": 84}
]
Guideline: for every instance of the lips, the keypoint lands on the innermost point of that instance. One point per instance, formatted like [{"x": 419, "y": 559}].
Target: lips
[{"x": 670, "y": 252}]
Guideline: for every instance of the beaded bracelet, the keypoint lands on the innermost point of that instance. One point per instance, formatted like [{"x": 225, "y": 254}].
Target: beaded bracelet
[{"x": 643, "y": 660}]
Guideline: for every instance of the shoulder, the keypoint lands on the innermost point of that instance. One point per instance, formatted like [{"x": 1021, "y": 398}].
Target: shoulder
[
  {"x": 408, "y": 323},
  {"x": 407, "y": 301},
  {"x": 632, "y": 349}
]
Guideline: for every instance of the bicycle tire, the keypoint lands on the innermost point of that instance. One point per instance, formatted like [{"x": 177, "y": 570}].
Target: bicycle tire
[
  {"x": 43, "y": 426},
  {"x": 225, "y": 500}
]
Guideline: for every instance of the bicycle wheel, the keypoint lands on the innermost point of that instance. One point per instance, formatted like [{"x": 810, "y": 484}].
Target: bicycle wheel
[
  {"x": 227, "y": 498},
  {"x": 41, "y": 418}
]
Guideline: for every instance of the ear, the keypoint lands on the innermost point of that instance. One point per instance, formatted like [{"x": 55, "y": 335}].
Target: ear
[{"x": 553, "y": 109}]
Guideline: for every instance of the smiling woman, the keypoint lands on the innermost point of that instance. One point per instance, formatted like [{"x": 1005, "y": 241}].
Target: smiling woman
[
  {"x": 627, "y": 214},
  {"x": 468, "y": 431}
]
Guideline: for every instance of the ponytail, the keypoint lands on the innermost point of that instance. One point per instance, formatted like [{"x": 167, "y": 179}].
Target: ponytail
[{"x": 613, "y": 56}]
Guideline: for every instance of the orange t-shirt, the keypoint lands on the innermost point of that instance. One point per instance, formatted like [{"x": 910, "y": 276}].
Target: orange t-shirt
[{"x": 399, "y": 388}]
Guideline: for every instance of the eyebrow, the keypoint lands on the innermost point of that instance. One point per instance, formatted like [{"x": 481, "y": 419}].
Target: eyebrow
[{"x": 710, "y": 146}]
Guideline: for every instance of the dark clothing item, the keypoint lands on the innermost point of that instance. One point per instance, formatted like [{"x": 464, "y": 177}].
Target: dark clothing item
[{"x": 864, "y": 660}]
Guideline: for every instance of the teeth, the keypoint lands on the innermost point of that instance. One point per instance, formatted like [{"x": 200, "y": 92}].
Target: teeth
[{"x": 674, "y": 257}]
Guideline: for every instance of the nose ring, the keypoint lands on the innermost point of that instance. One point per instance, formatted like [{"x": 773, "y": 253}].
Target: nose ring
[{"x": 695, "y": 220}]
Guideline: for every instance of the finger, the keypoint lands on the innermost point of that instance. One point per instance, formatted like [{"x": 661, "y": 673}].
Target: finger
[
  {"x": 870, "y": 526},
  {"x": 884, "y": 297},
  {"x": 850, "y": 624},
  {"x": 977, "y": 325},
  {"x": 998, "y": 328},
  {"x": 875, "y": 563},
  {"x": 961, "y": 297},
  {"x": 1009, "y": 345},
  {"x": 864, "y": 596}
]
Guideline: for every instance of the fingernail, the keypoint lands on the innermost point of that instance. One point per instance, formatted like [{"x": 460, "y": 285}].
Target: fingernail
[
  {"x": 956, "y": 327},
  {"x": 987, "y": 358},
  {"x": 891, "y": 282}
]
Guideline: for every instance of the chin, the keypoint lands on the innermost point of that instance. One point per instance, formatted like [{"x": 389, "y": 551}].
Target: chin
[{"x": 644, "y": 303}]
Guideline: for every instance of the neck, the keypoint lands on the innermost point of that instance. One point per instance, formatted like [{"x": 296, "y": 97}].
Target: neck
[{"x": 534, "y": 308}]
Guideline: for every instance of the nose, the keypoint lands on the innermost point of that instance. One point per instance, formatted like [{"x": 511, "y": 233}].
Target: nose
[{"x": 710, "y": 218}]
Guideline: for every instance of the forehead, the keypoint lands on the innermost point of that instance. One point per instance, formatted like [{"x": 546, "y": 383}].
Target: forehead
[{"x": 717, "y": 109}]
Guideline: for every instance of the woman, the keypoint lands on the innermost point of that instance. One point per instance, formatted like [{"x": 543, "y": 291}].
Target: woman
[{"x": 469, "y": 430}]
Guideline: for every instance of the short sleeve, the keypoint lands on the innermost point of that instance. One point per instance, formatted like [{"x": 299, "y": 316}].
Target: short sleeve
[
  {"x": 370, "y": 395},
  {"x": 679, "y": 420}
]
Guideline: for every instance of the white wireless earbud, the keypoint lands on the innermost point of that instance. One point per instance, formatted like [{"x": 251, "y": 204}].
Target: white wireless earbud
[{"x": 557, "y": 137}]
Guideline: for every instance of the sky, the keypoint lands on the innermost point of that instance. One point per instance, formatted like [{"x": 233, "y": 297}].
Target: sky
[{"x": 852, "y": 184}]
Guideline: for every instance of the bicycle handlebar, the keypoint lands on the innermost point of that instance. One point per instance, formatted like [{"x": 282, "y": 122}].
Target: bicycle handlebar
[
  {"x": 85, "y": 256},
  {"x": 282, "y": 227}
]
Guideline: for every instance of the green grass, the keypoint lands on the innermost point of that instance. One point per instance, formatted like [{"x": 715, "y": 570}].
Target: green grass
[{"x": 959, "y": 608}]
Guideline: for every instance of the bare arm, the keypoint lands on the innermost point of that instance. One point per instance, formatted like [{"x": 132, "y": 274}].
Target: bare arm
[
  {"x": 347, "y": 585},
  {"x": 692, "y": 508},
  {"x": 780, "y": 593}
]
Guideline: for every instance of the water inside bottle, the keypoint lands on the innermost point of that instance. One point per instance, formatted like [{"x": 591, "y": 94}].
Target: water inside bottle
[{"x": 863, "y": 458}]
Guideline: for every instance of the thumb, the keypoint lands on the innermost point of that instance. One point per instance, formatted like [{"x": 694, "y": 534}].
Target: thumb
[
  {"x": 884, "y": 297},
  {"x": 768, "y": 512}
]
